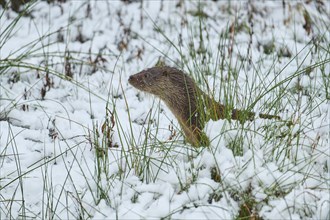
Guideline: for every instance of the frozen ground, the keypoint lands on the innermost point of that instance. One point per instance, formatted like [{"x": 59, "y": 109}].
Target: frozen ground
[{"x": 77, "y": 141}]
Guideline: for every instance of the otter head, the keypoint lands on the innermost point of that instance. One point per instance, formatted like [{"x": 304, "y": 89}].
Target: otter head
[{"x": 154, "y": 80}]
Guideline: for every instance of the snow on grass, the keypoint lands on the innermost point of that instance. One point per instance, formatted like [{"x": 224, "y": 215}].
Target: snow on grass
[{"x": 77, "y": 141}]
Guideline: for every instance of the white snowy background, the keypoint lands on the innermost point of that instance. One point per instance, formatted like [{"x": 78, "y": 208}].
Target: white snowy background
[{"x": 78, "y": 142}]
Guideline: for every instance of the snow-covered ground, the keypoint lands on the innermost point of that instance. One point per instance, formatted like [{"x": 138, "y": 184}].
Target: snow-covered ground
[{"x": 77, "y": 141}]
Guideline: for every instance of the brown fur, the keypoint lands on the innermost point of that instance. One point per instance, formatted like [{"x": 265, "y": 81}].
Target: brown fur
[{"x": 190, "y": 105}]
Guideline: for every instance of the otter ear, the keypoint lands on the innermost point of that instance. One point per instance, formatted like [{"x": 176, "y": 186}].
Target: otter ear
[{"x": 165, "y": 73}]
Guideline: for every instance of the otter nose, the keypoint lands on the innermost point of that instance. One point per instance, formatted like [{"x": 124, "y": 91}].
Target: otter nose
[{"x": 131, "y": 78}]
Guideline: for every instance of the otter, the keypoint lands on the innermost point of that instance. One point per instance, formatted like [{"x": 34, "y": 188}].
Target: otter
[{"x": 189, "y": 104}]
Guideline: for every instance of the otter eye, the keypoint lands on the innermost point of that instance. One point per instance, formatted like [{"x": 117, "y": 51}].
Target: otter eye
[{"x": 146, "y": 77}]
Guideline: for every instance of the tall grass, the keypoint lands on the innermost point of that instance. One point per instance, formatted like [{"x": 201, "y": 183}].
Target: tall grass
[
  {"x": 223, "y": 70},
  {"x": 56, "y": 201},
  {"x": 282, "y": 141}
]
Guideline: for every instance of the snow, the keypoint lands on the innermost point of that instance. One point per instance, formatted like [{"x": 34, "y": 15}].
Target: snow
[{"x": 58, "y": 161}]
